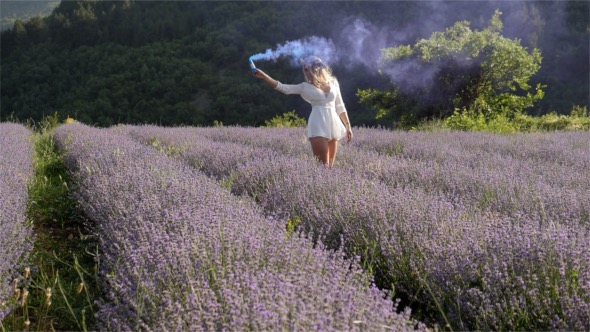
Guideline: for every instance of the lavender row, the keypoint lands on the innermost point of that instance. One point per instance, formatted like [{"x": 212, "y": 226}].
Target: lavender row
[
  {"x": 546, "y": 175},
  {"x": 487, "y": 270},
  {"x": 561, "y": 148},
  {"x": 179, "y": 252},
  {"x": 16, "y": 169}
]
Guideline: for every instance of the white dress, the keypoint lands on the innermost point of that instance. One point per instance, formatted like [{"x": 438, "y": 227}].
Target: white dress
[{"x": 324, "y": 119}]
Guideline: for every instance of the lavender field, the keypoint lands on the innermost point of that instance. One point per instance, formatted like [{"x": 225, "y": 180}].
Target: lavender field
[
  {"x": 488, "y": 232},
  {"x": 238, "y": 228},
  {"x": 16, "y": 168},
  {"x": 180, "y": 252}
]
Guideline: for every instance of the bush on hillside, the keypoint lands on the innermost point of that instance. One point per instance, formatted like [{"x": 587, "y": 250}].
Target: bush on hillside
[{"x": 519, "y": 122}]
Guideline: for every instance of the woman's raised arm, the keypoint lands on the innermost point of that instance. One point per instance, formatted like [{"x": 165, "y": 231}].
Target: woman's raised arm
[{"x": 263, "y": 76}]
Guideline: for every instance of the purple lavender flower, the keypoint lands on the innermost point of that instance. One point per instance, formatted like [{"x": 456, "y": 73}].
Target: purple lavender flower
[
  {"x": 16, "y": 169},
  {"x": 495, "y": 230},
  {"x": 178, "y": 251}
]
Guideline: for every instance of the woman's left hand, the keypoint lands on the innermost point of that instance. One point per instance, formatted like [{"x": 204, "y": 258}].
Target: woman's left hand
[{"x": 349, "y": 134}]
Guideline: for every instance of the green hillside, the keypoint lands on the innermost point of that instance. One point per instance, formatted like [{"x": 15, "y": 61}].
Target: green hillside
[{"x": 185, "y": 62}]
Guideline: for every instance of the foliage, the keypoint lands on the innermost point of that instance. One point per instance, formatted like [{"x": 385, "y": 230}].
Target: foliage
[
  {"x": 64, "y": 254},
  {"x": 286, "y": 120},
  {"x": 183, "y": 62},
  {"x": 11, "y": 11},
  {"x": 393, "y": 106},
  {"x": 49, "y": 190},
  {"x": 519, "y": 122},
  {"x": 579, "y": 111},
  {"x": 474, "y": 71},
  {"x": 163, "y": 63}
]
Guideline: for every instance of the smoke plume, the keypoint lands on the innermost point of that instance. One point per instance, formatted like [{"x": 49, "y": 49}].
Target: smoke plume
[{"x": 297, "y": 49}]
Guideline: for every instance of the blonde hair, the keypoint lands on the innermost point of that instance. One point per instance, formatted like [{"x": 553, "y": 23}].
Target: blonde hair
[{"x": 316, "y": 72}]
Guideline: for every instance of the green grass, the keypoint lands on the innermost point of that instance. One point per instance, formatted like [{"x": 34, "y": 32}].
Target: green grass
[{"x": 64, "y": 256}]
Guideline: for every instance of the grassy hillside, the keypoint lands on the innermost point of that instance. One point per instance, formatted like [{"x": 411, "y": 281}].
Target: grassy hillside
[{"x": 185, "y": 62}]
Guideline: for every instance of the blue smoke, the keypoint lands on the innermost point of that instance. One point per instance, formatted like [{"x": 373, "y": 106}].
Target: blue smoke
[{"x": 297, "y": 49}]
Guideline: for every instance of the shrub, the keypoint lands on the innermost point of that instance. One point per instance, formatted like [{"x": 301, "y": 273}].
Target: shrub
[
  {"x": 286, "y": 120},
  {"x": 518, "y": 122}
]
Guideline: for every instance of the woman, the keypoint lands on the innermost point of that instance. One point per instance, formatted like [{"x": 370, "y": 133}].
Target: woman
[{"x": 328, "y": 121}]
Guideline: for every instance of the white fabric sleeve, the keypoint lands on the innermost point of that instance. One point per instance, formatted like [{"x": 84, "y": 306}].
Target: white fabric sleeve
[
  {"x": 289, "y": 89},
  {"x": 340, "y": 108}
]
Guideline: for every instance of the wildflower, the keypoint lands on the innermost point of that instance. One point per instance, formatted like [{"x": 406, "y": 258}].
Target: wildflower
[
  {"x": 80, "y": 288},
  {"x": 27, "y": 272},
  {"x": 27, "y": 324},
  {"x": 24, "y": 297},
  {"x": 48, "y": 296}
]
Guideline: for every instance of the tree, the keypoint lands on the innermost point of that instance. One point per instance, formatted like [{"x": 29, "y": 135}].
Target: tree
[
  {"x": 458, "y": 70},
  {"x": 20, "y": 33},
  {"x": 37, "y": 30}
]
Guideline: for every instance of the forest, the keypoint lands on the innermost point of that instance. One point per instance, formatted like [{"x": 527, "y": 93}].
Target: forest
[
  {"x": 185, "y": 62},
  {"x": 12, "y": 10}
]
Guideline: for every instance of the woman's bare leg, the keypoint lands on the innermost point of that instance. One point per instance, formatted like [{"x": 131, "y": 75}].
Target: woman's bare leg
[
  {"x": 319, "y": 147},
  {"x": 332, "y": 150}
]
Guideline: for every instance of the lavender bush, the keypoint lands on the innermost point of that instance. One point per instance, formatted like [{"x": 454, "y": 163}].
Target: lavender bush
[
  {"x": 16, "y": 168},
  {"x": 487, "y": 249},
  {"x": 181, "y": 253}
]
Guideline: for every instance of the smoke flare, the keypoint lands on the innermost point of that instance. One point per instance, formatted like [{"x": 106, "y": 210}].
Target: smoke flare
[{"x": 297, "y": 49}]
